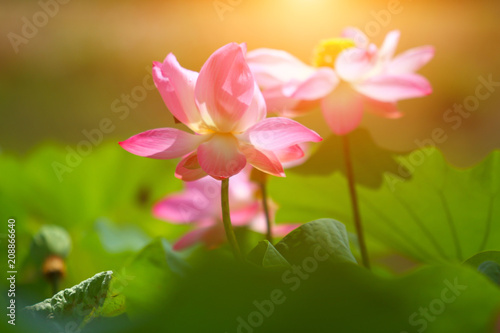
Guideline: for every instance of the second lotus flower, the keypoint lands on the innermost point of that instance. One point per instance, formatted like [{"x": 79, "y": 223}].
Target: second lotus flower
[
  {"x": 225, "y": 109},
  {"x": 349, "y": 76},
  {"x": 199, "y": 205}
]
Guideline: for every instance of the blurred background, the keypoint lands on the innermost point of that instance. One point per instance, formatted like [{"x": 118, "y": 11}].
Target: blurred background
[
  {"x": 71, "y": 68},
  {"x": 84, "y": 59}
]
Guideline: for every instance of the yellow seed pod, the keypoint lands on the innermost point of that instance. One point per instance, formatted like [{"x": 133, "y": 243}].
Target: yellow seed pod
[{"x": 327, "y": 51}]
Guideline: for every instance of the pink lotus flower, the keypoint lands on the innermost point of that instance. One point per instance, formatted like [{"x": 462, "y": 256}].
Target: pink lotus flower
[
  {"x": 372, "y": 79},
  {"x": 199, "y": 204},
  {"x": 225, "y": 109}
]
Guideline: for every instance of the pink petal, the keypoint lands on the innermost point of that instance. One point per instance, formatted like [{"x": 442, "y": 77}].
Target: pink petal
[
  {"x": 354, "y": 63},
  {"x": 219, "y": 157},
  {"x": 242, "y": 189},
  {"x": 176, "y": 86},
  {"x": 287, "y": 82},
  {"x": 208, "y": 186},
  {"x": 265, "y": 161},
  {"x": 162, "y": 143},
  {"x": 276, "y": 100},
  {"x": 300, "y": 108},
  {"x": 272, "y": 68},
  {"x": 383, "y": 109},
  {"x": 214, "y": 236},
  {"x": 190, "y": 239},
  {"x": 225, "y": 88},
  {"x": 211, "y": 237},
  {"x": 343, "y": 110},
  {"x": 255, "y": 113},
  {"x": 189, "y": 169},
  {"x": 286, "y": 106},
  {"x": 280, "y": 133},
  {"x": 316, "y": 86},
  {"x": 389, "y": 46},
  {"x": 391, "y": 88},
  {"x": 411, "y": 60},
  {"x": 243, "y": 216},
  {"x": 242, "y": 201},
  {"x": 188, "y": 207},
  {"x": 259, "y": 224},
  {"x": 289, "y": 154},
  {"x": 281, "y": 230},
  {"x": 357, "y": 36}
]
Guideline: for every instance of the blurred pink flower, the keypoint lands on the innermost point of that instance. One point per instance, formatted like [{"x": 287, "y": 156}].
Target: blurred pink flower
[
  {"x": 199, "y": 204},
  {"x": 225, "y": 109},
  {"x": 349, "y": 75}
]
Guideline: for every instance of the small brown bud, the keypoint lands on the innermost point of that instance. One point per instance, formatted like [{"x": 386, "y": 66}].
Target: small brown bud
[{"x": 54, "y": 268}]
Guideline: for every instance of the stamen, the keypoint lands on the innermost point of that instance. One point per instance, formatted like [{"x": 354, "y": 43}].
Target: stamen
[{"x": 327, "y": 51}]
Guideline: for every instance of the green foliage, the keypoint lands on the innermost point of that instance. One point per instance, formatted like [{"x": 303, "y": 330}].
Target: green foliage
[
  {"x": 370, "y": 160},
  {"x": 492, "y": 270},
  {"x": 487, "y": 263},
  {"x": 116, "y": 239},
  {"x": 50, "y": 240},
  {"x": 481, "y": 257},
  {"x": 265, "y": 255},
  {"x": 308, "y": 240},
  {"x": 323, "y": 238},
  {"x": 79, "y": 304},
  {"x": 308, "y": 281},
  {"x": 151, "y": 273},
  {"x": 77, "y": 301},
  {"x": 313, "y": 291},
  {"x": 104, "y": 203},
  {"x": 440, "y": 214},
  {"x": 219, "y": 294}
]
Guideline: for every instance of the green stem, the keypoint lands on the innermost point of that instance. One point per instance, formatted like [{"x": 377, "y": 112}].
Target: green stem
[
  {"x": 226, "y": 219},
  {"x": 263, "y": 190},
  {"x": 354, "y": 201},
  {"x": 54, "y": 283}
]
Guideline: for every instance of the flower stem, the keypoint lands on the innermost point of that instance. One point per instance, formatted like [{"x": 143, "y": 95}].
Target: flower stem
[
  {"x": 54, "y": 284},
  {"x": 354, "y": 201},
  {"x": 263, "y": 190},
  {"x": 54, "y": 269},
  {"x": 226, "y": 219}
]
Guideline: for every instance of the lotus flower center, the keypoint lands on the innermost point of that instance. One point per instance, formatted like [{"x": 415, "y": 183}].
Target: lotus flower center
[{"x": 327, "y": 51}]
